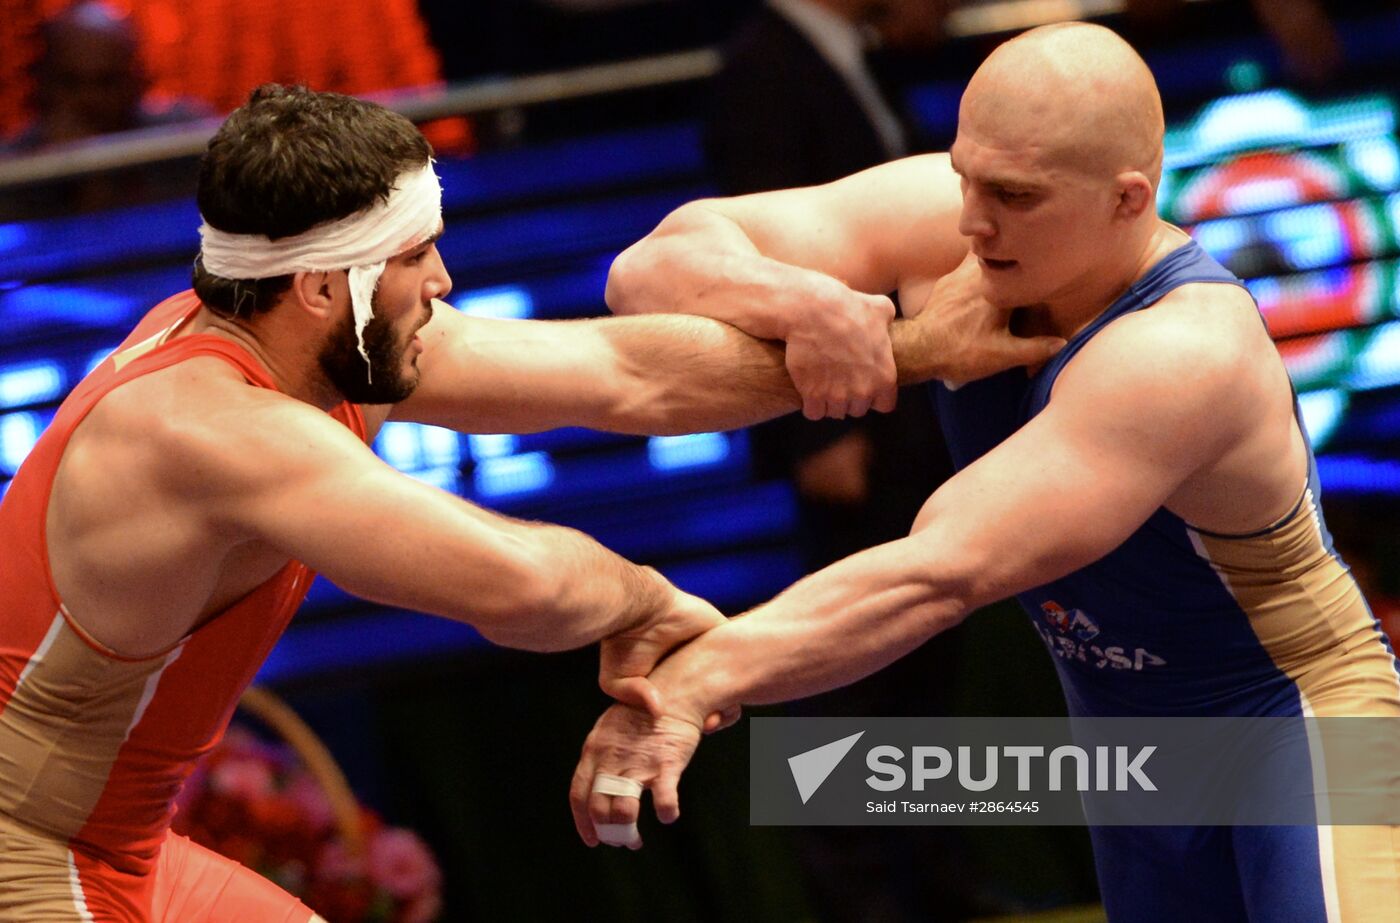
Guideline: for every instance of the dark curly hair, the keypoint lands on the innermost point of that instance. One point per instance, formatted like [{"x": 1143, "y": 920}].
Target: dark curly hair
[{"x": 287, "y": 160}]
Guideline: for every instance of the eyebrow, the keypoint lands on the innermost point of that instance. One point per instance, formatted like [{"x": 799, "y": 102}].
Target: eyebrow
[
  {"x": 1008, "y": 183},
  {"x": 426, "y": 242},
  {"x": 999, "y": 182}
]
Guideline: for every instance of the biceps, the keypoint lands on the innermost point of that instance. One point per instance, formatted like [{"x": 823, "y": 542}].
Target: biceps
[{"x": 1040, "y": 506}]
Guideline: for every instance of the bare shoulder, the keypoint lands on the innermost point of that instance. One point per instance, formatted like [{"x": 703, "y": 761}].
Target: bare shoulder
[
  {"x": 930, "y": 176},
  {"x": 197, "y": 429},
  {"x": 908, "y": 210},
  {"x": 1195, "y": 362},
  {"x": 1195, "y": 331},
  {"x": 919, "y": 195}
]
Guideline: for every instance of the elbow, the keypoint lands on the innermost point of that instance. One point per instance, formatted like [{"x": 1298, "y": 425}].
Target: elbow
[
  {"x": 639, "y": 277},
  {"x": 620, "y": 290},
  {"x": 961, "y": 575},
  {"x": 977, "y": 578},
  {"x": 643, "y": 398},
  {"x": 625, "y": 290},
  {"x": 650, "y": 409},
  {"x": 525, "y": 608}
]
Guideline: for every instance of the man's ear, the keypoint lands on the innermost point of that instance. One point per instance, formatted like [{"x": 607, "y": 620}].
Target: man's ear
[
  {"x": 1134, "y": 195},
  {"x": 313, "y": 293}
]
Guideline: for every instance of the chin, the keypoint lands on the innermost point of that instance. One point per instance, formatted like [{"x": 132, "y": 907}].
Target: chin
[{"x": 1004, "y": 297}]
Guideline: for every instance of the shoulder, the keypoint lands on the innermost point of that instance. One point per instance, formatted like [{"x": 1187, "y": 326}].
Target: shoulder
[
  {"x": 1206, "y": 332},
  {"x": 197, "y": 429},
  {"x": 1195, "y": 363},
  {"x": 902, "y": 216},
  {"x": 926, "y": 178}
]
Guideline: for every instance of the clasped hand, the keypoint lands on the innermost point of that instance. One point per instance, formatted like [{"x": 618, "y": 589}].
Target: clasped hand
[
  {"x": 645, "y": 736},
  {"x": 840, "y": 354}
]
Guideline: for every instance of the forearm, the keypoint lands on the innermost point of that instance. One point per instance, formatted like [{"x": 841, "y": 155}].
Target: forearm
[
  {"x": 699, "y": 262},
  {"x": 693, "y": 374},
  {"x": 569, "y": 592},
  {"x": 830, "y": 629}
]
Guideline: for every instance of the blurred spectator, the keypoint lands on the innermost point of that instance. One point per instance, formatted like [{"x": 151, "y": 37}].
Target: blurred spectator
[
  {"x": 1308, "y": 41},
  {"x": 88, "y": 80},
  {"x": 798, "y": 103},
  {"x": 99, "y": 70}
]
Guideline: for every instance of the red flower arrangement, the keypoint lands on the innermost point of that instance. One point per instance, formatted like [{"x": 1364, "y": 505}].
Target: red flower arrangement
[{"x": 255, "y": 802}]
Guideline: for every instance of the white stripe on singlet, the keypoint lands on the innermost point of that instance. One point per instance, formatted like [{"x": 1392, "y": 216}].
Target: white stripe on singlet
[
  {"x": 37, "y": 657},
  {"x": 79, "y": 899}
]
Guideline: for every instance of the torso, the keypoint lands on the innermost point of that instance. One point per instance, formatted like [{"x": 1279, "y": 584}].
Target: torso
[
  {"x": 1229, "y": 599},
  {"x": 138, "y": 565},
  {"x": 130, "y": 624}
]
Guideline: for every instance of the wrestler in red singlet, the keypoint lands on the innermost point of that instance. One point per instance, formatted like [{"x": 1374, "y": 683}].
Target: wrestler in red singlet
[{"x": 94, "y": 745}]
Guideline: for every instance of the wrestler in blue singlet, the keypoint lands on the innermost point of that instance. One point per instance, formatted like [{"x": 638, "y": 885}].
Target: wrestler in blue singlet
[{"x": 1180, "y": 621}]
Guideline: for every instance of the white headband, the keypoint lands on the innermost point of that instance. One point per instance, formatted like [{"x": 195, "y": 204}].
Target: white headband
[{"x": 361, "y": 243}]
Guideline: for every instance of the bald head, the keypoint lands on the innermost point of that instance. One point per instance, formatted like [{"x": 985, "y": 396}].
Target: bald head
[{"x": 1076, "y": 93}]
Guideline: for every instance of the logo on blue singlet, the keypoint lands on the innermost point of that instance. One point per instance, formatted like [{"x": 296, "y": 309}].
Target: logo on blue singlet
[
  {"x": 1069, "y": 621},
  {"x": 1070, "y": 633}
]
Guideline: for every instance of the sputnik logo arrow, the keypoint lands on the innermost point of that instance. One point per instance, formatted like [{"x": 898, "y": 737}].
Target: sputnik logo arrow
[{"x": 810, "y": 769}]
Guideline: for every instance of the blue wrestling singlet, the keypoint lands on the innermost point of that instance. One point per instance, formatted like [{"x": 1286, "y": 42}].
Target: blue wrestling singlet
[{"x": 1178, "y": 621}]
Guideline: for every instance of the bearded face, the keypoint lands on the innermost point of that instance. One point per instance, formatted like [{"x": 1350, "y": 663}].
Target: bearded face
[{"x": 387, "y": 378}]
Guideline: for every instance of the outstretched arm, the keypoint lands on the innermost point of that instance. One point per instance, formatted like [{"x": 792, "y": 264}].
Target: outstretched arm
[
  {"x": 1122, "y": 434},
  {"x": 322, "y": 497},
  {"x": 651, "y": 375}
]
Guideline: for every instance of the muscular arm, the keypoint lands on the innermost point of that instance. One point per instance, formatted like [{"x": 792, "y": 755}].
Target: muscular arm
[
  {"x": 1123, "y": 434},
  {"x": 272, "y": 470},
  {"x": 645, "y": 375},
  {"x": 813, "y": 266},
  {"x": 772, "y": 262}
]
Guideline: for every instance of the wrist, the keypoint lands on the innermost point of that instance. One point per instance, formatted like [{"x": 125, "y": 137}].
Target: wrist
[
  {"x": 649, "y": 599},
  {"x": 693, "y": 684},
  {"x": 918, "y": 354}
]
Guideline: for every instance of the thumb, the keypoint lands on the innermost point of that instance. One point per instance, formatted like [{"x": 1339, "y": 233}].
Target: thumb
[{"x": 637, "y": 691}]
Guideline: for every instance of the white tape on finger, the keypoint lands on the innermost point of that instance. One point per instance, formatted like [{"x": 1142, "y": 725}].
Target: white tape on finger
[
  {"x": 607, "y": 784},
  {"x": 618, "y": 834}
]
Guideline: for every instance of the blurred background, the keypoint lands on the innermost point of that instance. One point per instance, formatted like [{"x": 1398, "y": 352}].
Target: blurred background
[{"x": 566, "y": 129}]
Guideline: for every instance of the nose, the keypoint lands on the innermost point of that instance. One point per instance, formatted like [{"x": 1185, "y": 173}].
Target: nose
[
  {"x": 438, "y": 282},
  {"x": 974, "y": 220}
]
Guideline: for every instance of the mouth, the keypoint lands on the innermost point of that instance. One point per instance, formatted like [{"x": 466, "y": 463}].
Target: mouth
[{"x": 996, "y": 265}]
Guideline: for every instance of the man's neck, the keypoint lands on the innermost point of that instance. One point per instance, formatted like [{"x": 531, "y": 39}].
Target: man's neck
[
  {"x": 1067, "y": 315},
  {"x": 289, "y": 359}
]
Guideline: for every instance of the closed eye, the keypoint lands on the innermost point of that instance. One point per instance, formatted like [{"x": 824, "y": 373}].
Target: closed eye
[{"x": 1014, "y": 196}]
